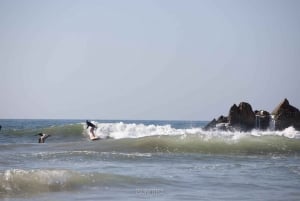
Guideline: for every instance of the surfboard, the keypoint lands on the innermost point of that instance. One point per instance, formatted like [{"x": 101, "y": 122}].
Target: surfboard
[{"x": 95, "y": 138}]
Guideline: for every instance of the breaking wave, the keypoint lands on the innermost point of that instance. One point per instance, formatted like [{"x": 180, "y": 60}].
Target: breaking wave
[
  {"x": 19, "y": 182},
  {"x": 122, "y": 130},
  {"x": 153, "y": 138},
  {"x": 132, "y": 137}
]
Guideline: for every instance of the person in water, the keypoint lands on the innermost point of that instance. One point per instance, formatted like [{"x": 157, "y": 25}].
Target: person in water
[
  {"x": 43, "y": 137},
  {"x": 0, "y": 127},
  {"x": 92, "y": 130}
]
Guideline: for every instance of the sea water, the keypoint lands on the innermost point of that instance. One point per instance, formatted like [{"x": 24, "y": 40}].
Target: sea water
[{"x": 146, "y": 160}]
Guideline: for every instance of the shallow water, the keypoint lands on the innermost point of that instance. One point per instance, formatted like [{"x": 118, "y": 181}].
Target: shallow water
[{"x": 150, "y": 160}]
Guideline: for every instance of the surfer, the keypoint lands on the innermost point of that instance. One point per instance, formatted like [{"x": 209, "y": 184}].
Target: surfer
[
  {"x": 42, "y": 137},
  {"x": 0, "y": 127},
  {"x": 93, "y": 126}
]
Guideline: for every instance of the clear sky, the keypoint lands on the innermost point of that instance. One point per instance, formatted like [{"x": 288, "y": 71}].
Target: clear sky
[{"x": 164, "y": 59}]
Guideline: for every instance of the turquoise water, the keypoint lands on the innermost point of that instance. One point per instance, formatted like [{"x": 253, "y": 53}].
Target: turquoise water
[{"x": 146, "y": 160}]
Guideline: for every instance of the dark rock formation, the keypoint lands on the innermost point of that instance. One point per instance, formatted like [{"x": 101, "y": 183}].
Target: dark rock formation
[
  {"x": 262, "y": 119},
  {"x": 241, "y": 117},
  {"x": 217, "y": 123},
  {"x": 222, "y": 119},
  {"x": 211, "y": 125},
  {"x": 262, "y": 112},
  {"x": 286, "y": 115}
]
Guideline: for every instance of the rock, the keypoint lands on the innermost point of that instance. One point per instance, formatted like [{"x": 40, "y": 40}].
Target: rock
[
  {"x": 211, "y": 125},
  {"x": 262, "y": 119},
  {"x": 262, "y": 113},
  {"x": 233, "y": 115},
  {"x": 241, "y": 117},
  {"x": 286, "y": 115},
  {"x": 223, "y": 126},
  {"x": 216, "y": 124},
  {"x": 222, "y": 119}
]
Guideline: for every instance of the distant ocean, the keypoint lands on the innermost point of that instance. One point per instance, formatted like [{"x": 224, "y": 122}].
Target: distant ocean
[{"x": 146, "y": 160}]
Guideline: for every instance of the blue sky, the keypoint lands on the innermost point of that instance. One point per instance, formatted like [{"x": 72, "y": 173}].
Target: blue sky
[{"x": 182, "y": 60}]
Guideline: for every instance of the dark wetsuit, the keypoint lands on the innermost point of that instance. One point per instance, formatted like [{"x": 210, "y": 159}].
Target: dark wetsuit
[
  {"x": 43, "y": 137},
  {"x": 90, "y": 124},
  {"x": 93, "y": 126}
]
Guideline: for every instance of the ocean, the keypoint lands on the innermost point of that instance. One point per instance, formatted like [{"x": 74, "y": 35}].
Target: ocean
[{"x": 146, "y": 160}]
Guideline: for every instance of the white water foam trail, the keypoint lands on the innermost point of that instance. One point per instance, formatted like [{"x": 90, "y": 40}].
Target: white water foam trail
[
  {"x": 289, "y": 132},
  {"x": 122, "y": 130}
]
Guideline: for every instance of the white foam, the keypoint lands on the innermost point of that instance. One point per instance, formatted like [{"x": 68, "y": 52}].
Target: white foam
[
  {"x": 16, "y": 180},
  {"x": 122, "y": 130},
  {"x": 289, "y": 132}
]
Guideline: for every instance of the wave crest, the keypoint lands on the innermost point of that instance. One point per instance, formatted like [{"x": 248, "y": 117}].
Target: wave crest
[
  {"x": 122, "y": 130},
  {"x": 18, "y": 182}
]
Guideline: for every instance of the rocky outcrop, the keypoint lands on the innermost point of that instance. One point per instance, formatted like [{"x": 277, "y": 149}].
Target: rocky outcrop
[
  {"x": 240, "y": 117},
  {"x": 211, "y": 125},
  {"x": 262, "y": 119},
  {"x": 286, "y": 115},
  {"x": 243, "y": 118},
  {"x": 220, "y": 123}
]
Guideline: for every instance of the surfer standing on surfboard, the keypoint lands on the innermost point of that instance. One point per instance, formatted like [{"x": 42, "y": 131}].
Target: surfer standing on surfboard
[{"x": 93, "y": 126}]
